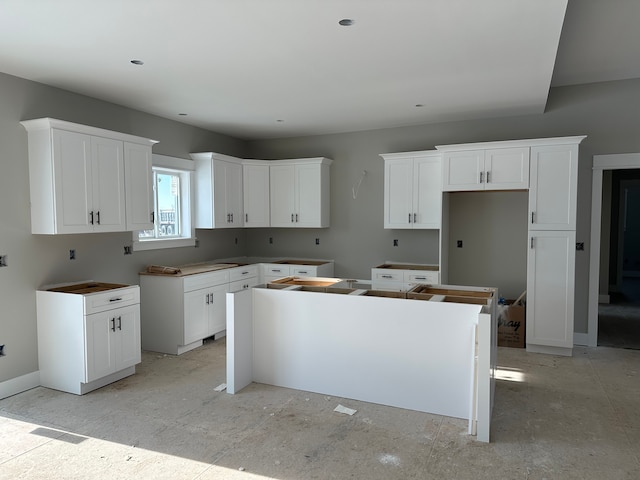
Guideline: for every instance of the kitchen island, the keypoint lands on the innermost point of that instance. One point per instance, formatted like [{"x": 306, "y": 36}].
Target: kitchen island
[{"x": 432, "y": 349}]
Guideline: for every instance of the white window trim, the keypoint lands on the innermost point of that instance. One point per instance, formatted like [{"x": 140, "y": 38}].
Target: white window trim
[{"x": 188, "y": 204}]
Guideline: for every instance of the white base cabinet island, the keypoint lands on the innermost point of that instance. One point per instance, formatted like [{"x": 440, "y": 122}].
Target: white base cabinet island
[{"x": 88, "y": 335}]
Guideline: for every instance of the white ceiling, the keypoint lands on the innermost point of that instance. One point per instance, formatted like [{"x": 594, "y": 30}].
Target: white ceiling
[{"x": 277, "y": 68}]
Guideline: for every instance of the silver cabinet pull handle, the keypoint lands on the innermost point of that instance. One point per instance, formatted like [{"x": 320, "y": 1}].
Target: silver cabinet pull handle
[
  {"x": 98, "y": 217},
  {"x": 488, "y": 177},
  {"x": 421, "y": 278},
  {"x": 533, "y": 216},
  {"x": 531, "y": 242},
  {"x": 153, "y": 217},
  {"x": 113, "y": 324},
  {"x": 481, "y": 176},
  {"x": 292, "y": 218},
  {"x": 409, "y": 218},
  {"x": 415, "y": 216},
  {"x": 116, "y": 299},
  {"x": 296, "y": 217},
  {"x": 387, "y": 276},
  {"x": 119, "y": 323},
  {"x": 91, "y": 215},
  {"x": 246, "y": 217}
]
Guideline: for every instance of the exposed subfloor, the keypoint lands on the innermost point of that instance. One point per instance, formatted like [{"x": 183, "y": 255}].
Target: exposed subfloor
[{"x": 554, "y": 418}]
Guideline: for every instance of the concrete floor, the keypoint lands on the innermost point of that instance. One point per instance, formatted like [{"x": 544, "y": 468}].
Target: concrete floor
[{"x": 554, "y": 418}]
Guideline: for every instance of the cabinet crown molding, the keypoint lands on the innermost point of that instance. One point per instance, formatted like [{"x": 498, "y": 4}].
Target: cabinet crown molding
[
  {"x": 252, "y": 161},
  {"x": 420, "y": 153},
  {"x": 531, "y": 142},
  {"x": 49, "y": 123}
]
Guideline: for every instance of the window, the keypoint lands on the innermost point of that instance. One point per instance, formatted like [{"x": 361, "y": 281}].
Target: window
[{"x": 172, "y": 198}]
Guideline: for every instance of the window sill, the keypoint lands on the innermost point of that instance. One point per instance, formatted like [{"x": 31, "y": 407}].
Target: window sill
[{"x": 157, "y": 244}]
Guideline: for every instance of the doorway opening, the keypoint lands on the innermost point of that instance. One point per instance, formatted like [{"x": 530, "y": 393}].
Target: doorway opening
[{"x": 614, "y": 278}]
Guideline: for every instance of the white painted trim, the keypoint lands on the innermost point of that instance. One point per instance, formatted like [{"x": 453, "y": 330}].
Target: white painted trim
[
  {"x": 19, "y": 384},
  {"x": 616, "y": 162},
  {"x": 532, "y": 142},
  {"x": 604, "y": 298},
  {"x": 601, "y": 163},
  {"x": 48, "y": 123},
  {"x": 421, "y": 153},
  {"x": 164, "y": 161}
]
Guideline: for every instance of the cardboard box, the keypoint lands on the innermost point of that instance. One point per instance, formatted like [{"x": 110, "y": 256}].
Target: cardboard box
[{"x": 511, "y": 325}]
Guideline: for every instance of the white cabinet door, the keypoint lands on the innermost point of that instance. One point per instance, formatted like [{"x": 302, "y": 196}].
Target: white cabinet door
[
  {"x": 255, "y": 187},
  {"x": 427, "y": 192},
  {"x": 308, "y": 195},
  {"x": 554, "y": 186},
  {"x": 196, "y": 315},
  {"x": 282, "y": 180},
  {"x": 463, "y": 170},
  {"x": 99, "y": 345},
  {"x": 107, "y": 168},
  {"x": 413, "y": 192},
  {"x": 218, "y": 310},
  {"x": 398, "y": 193},
  {"x": 300, "y": 194},
  {"x": 233, "y": 194},
  {"x": 506, "y": 169},
  {"x": 550, "y": 288},
  {"x": 138, "y": 179},
  {"x": 128, "y": 351},
  {"x": 218, "y": 191},
  {"x": 112, "y": 341},
  {"x": 73, "y": 184}
]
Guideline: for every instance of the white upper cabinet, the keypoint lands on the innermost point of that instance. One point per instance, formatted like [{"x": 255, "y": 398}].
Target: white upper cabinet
[
  {"x": 77, "y": 177},
  {"x": 412, "y": 190},
  {"x": 554, "y": 187},
  {"x": 299, "y": 191},
  {"x": 486, "y": 169},
  {"x": 138, "y": 179},
  {"x": 218, "y": 191},
  {"x": 255, "y": 186}
]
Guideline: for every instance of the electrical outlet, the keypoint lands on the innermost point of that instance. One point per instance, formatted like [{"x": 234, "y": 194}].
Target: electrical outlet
[
  {"x": 270, "y": 239},
  {"x": 317, "y": 241},
  {"x": 1, "y": 350},
  {"x": 127, "y": 250},
  {"x": 3, "y": 260},
  {"x": 459, "y": 243},
  {"x": 395, "y": 242},
  {"x": 236, "y": 240},
  {"x": 72, "y": 254},
  {"x": 580, "y": 246}
]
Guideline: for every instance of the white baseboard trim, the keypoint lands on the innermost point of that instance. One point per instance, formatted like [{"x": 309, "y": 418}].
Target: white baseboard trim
[
  {"x": 19, "y": 384},
  {"x": 581, "y": 339},
  {"x": 604, "y": 298}
]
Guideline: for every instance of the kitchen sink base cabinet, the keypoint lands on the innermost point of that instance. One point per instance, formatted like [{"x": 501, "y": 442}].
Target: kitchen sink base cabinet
[{"x": 87, "y": 341}]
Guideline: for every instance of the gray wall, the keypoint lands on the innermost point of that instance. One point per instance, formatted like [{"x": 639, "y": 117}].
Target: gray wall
[
  {"x": 609, "y": 113},
  {"x": 34, "y": 260}
]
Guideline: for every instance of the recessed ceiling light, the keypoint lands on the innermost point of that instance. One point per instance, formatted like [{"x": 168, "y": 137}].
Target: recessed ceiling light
[
  {"x": 346, "y": 22},
  {"x": 137, "y": 62}
]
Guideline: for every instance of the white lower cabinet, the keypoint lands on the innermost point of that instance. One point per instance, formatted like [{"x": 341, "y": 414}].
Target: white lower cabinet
[
  {"x": 87, "y": 340},
  {"x": 274, "y": 271},
  {"x": 397, "y": 277},
  {"x": 550, "y": 291},
  {"x": 178, "y": 312}
]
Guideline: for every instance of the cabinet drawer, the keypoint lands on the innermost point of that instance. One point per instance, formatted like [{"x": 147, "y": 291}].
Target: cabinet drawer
[
  {"x": 119, "y": 297},
  {"x": 243, "y": 284},
  {"x": 242, "y": 273},
  {"x": 204, "y": 280},
  {"x": 427, "y": 276},
  {"x": 277, "y": 270},
  {"x": 386, "y": 275},
  {"x": 304, "y": 270}
]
